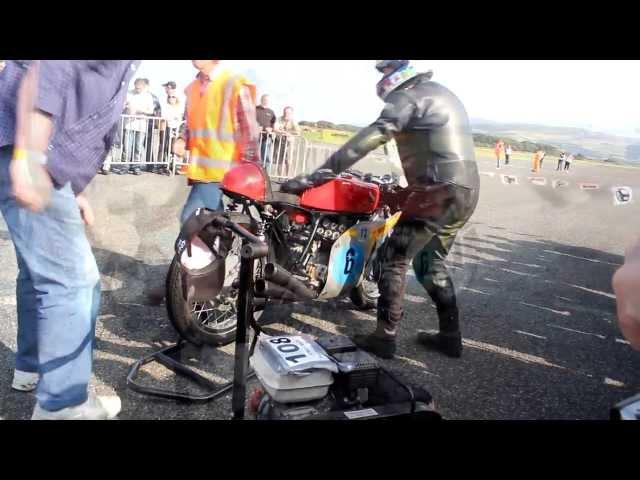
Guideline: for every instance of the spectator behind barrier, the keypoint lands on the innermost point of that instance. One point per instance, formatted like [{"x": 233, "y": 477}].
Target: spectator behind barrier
[
  {"x": 266, "y": 120},
  {"x": 172, "y": 116},
  {"x": 139, "y": 102},
  {"x": 285, "y": 128},
  {"x": 286, "y": 124}
]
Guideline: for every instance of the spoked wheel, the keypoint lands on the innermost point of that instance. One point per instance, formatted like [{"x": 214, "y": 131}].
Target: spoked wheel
[{"x": 205, "y": 323}]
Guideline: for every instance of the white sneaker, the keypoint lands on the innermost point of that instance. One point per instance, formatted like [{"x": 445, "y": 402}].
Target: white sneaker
[
  {"x": 95, "y": 408},
  {"x": 25, "y": 381}
]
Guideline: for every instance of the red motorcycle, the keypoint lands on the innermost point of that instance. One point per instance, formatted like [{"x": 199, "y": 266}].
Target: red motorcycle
[{"x": 325, "y": 243}]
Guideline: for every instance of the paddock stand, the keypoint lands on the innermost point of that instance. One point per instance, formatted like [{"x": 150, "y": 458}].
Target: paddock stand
[{"x": 252, "y": 248}]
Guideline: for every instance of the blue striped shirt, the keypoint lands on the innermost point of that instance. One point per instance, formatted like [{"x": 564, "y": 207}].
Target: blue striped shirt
[{"x": 85, "y": 99}]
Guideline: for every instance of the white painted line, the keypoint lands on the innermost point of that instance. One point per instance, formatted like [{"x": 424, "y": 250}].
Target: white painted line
[
  {"x": 601, "y": 337},
  {"x": 622, "y": 195},
  {"x": 530, "y": 334},
  {"x": 620, "y": 340},
  {"x": 523, "y": 357},
  {"x": 518, "y": 273},
  {"x": 564, "y": 298},
  {"x": 418, "y": 364},
  {"x": 613, "y": 383},
  {"x": 491, "y": 280},
  {"x": 564, "y": 313},
  {"x": 473, "y": 290},
  {"x": 582, "y": 258},
  {"x": 597, "y": 292},
  {"x": 415, "y": 298},
  {"x": 532, "y": 265},
  {"x": 489, "y": 174},
  {"x": 509, "y": 179},
  {"x": 541, "y": 181}
]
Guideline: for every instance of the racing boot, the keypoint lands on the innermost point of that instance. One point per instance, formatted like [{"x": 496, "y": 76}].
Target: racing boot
[
  {"x": 449, "y": 339},
  {"x": 382, "y": 342}
]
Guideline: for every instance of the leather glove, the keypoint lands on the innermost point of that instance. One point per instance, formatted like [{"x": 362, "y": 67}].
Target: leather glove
[{"x": 301, "y": 183}]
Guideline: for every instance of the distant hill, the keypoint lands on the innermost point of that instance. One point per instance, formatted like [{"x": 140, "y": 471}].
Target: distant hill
[
  {"x": 595, "y": 145},
  {"x": 579, "y": 141}
]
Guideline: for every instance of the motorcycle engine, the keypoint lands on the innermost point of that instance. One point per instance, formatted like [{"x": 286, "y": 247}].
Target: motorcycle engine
[{"x": 314, "y": 264}]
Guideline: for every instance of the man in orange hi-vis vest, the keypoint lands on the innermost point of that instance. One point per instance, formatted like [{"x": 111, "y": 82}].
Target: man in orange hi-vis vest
[
  {"x": 221, "y": 129},
  {"x": 499, "y": 149},
  {"x": 537, "y": 160}
]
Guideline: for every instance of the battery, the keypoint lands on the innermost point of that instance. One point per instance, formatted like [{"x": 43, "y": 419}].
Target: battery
[{"x": 333, "y": 344}]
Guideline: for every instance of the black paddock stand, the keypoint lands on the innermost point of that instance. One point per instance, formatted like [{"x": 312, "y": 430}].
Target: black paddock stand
[
  {"x": 252, "y": 248},
  {"x": 164, "y": 357}
]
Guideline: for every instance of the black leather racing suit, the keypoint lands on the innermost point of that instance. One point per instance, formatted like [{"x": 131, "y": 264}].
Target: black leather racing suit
[{"x": 435, "y": 143}]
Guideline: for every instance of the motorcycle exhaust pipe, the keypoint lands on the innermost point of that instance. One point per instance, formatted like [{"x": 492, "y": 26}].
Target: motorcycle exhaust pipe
[
  {"x": 265, "y": 289},
  {"x": 252, "y": 251},
  {"x": 281, "y": 277}
]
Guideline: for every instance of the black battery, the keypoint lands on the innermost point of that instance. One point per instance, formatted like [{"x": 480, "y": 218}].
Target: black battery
[
  {"x": 358, "y": 369},
  {"x": 333, "y": 344}
]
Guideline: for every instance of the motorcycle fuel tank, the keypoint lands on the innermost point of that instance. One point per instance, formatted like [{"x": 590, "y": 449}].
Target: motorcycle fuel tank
[
  {"x": 247, "y": 179},
  {"x": 342, "y": 195}
]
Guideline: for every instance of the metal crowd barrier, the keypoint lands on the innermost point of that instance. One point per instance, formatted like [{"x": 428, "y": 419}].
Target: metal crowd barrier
[
  {"x": 283, "y": 156},
  {"x": 286, "y": 157},
  {"x": 142, "y": 141}
]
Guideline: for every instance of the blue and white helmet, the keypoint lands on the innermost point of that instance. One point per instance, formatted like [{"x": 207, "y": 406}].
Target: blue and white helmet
[{"x": 401, "y": 72}]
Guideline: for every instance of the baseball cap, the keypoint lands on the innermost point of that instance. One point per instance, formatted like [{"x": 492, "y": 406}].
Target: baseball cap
[{"x": 170, "y": 85}]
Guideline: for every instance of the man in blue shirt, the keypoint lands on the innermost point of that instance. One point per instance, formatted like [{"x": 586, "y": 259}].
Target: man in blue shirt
[{"x": 57, "y": 123}]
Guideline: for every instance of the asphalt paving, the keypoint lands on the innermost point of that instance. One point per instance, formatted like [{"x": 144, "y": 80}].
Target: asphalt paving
[{"x": 532, "y": 271}]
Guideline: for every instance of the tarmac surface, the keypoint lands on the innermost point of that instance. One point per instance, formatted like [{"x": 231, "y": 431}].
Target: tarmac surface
[{"x": 532, "y": 271}]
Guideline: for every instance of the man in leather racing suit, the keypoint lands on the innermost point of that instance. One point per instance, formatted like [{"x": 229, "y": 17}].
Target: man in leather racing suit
[{"x": 435, "y": 143}]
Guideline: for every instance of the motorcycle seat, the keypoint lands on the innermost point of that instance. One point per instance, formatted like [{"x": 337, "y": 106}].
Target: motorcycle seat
[{"x": 275, "y": 195}]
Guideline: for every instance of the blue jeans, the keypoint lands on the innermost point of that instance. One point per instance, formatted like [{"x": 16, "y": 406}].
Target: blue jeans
[
  {"x": 266, "y": 148},
  {"x": 57, "y": 293},
  {"x": 202, "y": 195},
  {"x": 134, "y": 147}
]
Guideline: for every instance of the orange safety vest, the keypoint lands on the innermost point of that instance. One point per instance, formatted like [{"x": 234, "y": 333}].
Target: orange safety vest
[{"x": 212, "y": 129}]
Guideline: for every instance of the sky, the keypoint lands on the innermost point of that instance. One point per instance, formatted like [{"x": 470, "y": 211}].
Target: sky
[{"x": 603, "y": 96}]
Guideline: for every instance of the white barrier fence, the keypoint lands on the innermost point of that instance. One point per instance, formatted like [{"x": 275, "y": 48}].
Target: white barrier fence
[
  {"x": 147, "y": 142},
  {"x": 143, "y": 142}
]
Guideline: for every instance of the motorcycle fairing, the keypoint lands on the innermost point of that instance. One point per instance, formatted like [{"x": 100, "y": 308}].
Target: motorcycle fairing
[{"x": 351, "y": 252}]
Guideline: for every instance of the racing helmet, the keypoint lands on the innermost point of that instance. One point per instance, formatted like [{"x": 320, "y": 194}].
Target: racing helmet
[{"x": 401, "y": 72}]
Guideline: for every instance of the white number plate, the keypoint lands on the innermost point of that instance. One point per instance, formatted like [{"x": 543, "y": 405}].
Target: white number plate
[{"x": 295, "y": 351}]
